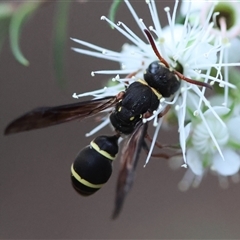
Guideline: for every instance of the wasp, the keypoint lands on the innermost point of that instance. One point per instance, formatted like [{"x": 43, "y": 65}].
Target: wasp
[{"x": 93, "y": 165}]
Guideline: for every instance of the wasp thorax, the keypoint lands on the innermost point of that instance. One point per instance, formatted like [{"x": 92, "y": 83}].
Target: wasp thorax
[{"x": 161, "y": 78}]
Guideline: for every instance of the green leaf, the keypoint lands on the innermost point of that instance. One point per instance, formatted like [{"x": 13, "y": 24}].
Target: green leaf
[
  {"x": 24, "y": 11},
  {"x": 113, "y": 10},
  {"x": 234, "y": 78},
  {"x": 180, "y": 19},
  {"x": 4, "y": 26},
  {"x": 60, "y": 35}
]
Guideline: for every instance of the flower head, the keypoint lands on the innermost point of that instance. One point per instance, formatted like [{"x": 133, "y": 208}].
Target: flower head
[
  {"x": 190, "y": 49},
  {"x": 225, "y": 19},
  {"x": 202, "y": 153}
]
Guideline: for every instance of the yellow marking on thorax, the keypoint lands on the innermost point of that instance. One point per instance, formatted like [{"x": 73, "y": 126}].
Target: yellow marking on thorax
[
  {"x": 158, "y": 95},
  {"x": 102, "y": 152},
  {"x": 83, "y": 181}
]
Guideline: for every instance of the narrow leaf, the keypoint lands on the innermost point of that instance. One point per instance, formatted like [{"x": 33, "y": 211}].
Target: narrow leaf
[
  {"x": 113, "y": 10},
  {"x": 60, "y": 35},
  {"x": 5, "y": 17},
  {"x": 16, "y": 24}
]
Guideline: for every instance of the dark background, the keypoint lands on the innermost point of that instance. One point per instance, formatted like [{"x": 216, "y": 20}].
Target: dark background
[{"x": 36, "y": 197}]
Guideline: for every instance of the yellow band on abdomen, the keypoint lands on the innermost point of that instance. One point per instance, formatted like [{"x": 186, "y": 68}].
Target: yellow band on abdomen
[
  {"x": 102, "y": 152},
  {"x": 83, "y": 181}
]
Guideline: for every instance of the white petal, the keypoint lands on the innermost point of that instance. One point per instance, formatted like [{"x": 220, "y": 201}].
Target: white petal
[
  {"x": 195, "y": 6},
  {"x": 218, "y": 109},
  {"x": 187, "y": 130},
  {"x": 203, "y": 53},
  {"x": 167, "y": 35},
  {"x": 194, "y": 161},
  {"x": 134, "y": 57},
  {"x": 228, "y": 167},
  {"x": 232, "y": 56},
  {"x": 202, "y": 139},
  {"x": 218, "y": 100},
  {"x": 234, "y": 129}
]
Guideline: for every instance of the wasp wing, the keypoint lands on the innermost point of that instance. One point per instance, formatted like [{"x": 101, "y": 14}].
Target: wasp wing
[
  {"x": 129, "y": 159},
  {"x": 49, "y": 116}
]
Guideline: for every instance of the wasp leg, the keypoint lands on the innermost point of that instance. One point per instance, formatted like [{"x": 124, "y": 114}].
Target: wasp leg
[{"x": 161, "y": 146}]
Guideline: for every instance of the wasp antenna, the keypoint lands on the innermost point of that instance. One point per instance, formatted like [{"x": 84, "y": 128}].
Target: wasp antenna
[
  {"x": 199, "y": 83},
  {"x": 154, "y": 47},
  {"x": 181, "y": 76}
]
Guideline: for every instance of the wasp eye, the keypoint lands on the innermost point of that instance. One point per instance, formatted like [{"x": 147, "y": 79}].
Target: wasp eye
[{"x": 154, "y": 67}]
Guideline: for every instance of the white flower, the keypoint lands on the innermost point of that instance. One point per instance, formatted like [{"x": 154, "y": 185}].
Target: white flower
[
  {"x": 223, "y": 21},
  {"x": 201, "y": 137},
  {"x": 207, "y": 10},
  {"x": 203, "y": 154},
  {"x": 188, "y": 49},
  {"x": 225, "y": 18},
  {"x": 228, "y": 167},
  {"x": 195, "y": 161}
]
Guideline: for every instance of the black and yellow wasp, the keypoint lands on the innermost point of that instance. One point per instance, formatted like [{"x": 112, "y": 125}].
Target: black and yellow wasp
[{"x": 93, "y": 165}]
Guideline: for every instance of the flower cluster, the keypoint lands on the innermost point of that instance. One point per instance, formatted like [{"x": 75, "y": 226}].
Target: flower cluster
[{"x": 201, "y": 44}]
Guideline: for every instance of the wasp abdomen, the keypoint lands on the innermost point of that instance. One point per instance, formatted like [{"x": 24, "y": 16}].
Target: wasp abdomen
[{"x": 93, "y": 165}]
